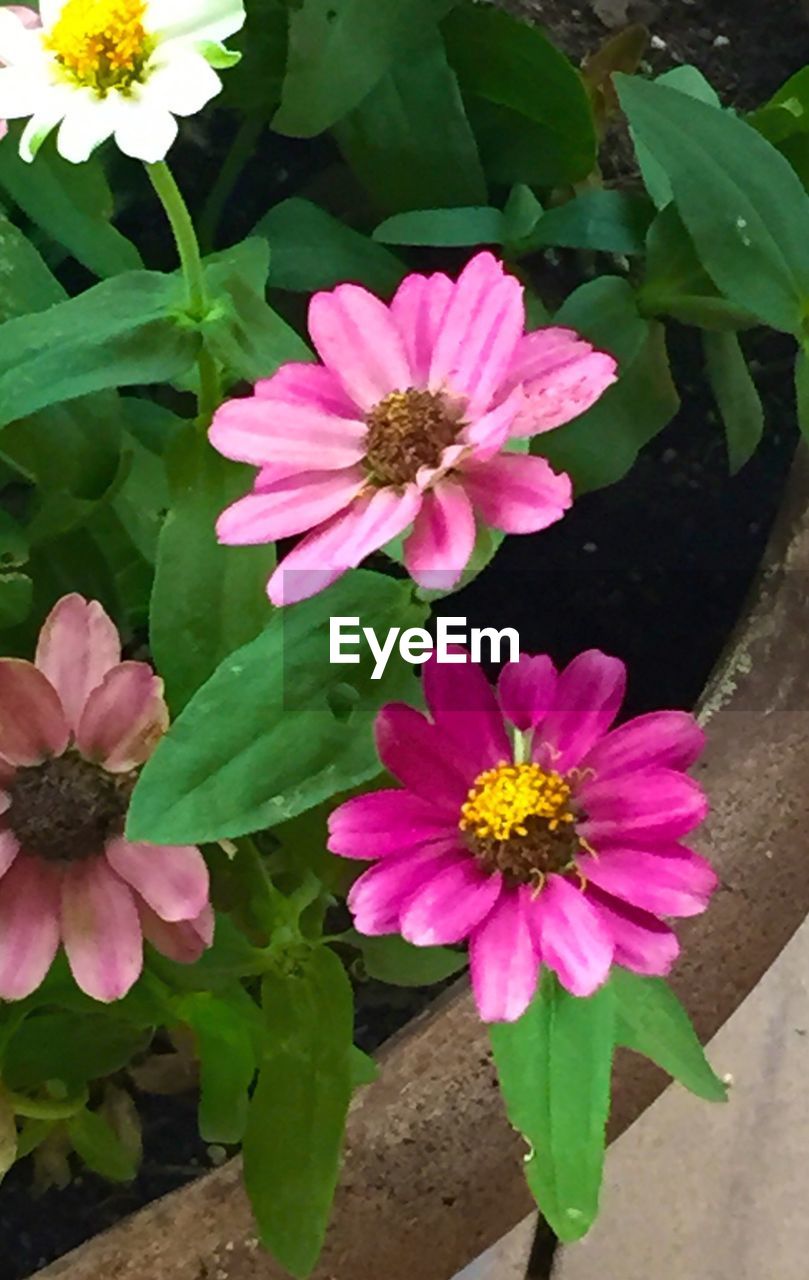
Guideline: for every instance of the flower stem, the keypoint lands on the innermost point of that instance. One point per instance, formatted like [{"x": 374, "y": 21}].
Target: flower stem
[{"x": 185, "y": 238}]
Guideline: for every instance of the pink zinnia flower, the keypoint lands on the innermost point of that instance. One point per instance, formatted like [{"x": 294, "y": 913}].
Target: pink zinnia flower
[
  {"x": 405, "y": 423},
  {"x": 75, "y": 726},
  {"x": 529, "y": 829},
  {"x": 29, "y": 18}
]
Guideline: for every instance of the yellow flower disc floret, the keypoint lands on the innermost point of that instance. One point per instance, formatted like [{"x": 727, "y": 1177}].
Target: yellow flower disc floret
[{"x": 101, "y": 44}]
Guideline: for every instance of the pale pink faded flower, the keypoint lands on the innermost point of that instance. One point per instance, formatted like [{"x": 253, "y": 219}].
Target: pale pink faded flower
[
  {"x": 29, "y": 18},
  {"x": 530, "y": 828},
  {"x": 75, "y": 727},
  {"x": 407, "y": 422}
]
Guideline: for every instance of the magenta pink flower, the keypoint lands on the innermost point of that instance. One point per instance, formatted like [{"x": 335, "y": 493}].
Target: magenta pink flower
[
  {"x": 75, "y": 726},
  {"x": 530, "y": 829},
  {"x": 407, "y": 422},
  {"x": 29, "y": 18}
]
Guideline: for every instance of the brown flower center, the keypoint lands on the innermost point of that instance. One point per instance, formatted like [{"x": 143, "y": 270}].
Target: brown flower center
[
  {"x": 66, "y": 809},
  {"x": 406, "y": 431}
]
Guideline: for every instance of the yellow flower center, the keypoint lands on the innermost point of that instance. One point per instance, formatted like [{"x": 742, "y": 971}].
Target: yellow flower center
[
  {"x": 101, "y": 44},
  {"x": 406, "y": 431},
  {"x": 519, "y": 820}
]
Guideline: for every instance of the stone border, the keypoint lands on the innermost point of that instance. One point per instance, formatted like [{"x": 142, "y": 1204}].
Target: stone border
[{"x": 432, "y": 1171}]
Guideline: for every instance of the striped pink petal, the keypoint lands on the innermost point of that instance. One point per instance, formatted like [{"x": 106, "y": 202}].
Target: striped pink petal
[
  {"x": 418, "y": 308},
  {"x": 172, "y": 879},
  {"x": 289, "y": 506},
  {"x": 32, "y": 722},
  {"x": 29, "y": 926},
  {"x": 358, "y": 340},
  {"x": 517, "y": 493},
  {"x": 100, "y": 929},
  {"x": 77, "y": 646},
  {"x": 443, "y": 538},
  {"x": 124, "y": 718},
  {"x": 504, "y": 960}
]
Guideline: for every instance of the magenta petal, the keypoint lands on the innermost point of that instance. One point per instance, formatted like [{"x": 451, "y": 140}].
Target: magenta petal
[
  {"x": 77, "y": 646},
  {"x": 29, "y": 926},
  {"x": 307, "y": 384},
  {"x": 517, "y": 493},
  {"x": 379, "y": 517},
  {"x": 303, "y": 436},
  {"x": 289, "y": 506},
  {"x": 588, "y": 696},
  {"x": 172, "y": 879},
  {"x": 642, "y": 942},
  {"x": 443, "y": 538},
  {"x": 358, "y": 340},
  {"x": 9, "y": 848},
  {"x": 32, "y": 722},
  {"x": 124, "y": 718},
  {"x": 660, "y": 804},
  {"x": 572, "y": 938},
  {"x": 504, "y": 960},
  {"x": 418, "y": 308},
  {"x": 487, "y": 435},
  {"x": 184, "y": 941},
  {"x": 669, "y": 739},
  {"x": 449, "y": 906},
  {"x": 558, "y": 395},
  {"x": 479, "y": 332},
  {"x": 415, "y": 752},
  {"x": 525, "y": 690},
  {"x": 377, "y": 898},
  {"x": 671, "y": 881},
  {"x": 385, "y": 822},
  {"x": 463, "y": 706},
  {"x": 101, "y": 930}
]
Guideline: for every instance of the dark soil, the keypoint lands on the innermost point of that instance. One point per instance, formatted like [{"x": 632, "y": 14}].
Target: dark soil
[{"x": 654, "y": 569}]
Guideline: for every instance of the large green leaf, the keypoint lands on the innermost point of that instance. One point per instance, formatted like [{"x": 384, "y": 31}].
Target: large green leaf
[
  {"x": 268, "y": 736},
  {"x": 208, "y": 599},
  {"x": 610, "y": 221},
  {"x": 515, "y": 67},
  {"x": 227, "y": 1064},
  {"x": 297, "y": 1113},
  {"x": 650, "y": 1019},
  {"x": 736, "y": 396},
  {"x": 71, "y": 1047},
  {"x": 688, "y": 80},
  {"x": 742, "y": 204},
  {"x": 394, "y": 147},
  {"x": 393, "y": 960},
  {"x": 444, "y": 228},
  {"x": 340, "y": 49},
  {"x": 100, "y": 1147},
  {"x": 26, "y": 283},
  {"x": 678, "y": 285},
  {"x": 312, "y": 250},
  {"x": 554, "y": 1066}
]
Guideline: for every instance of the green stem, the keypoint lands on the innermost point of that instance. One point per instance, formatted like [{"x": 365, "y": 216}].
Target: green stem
[{"x": 185, "y": 237}]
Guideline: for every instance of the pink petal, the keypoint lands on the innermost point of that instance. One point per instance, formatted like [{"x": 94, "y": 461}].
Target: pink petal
[
  {"x": 416, "y": 753},
  {"x": 659, "y": 805},
  {"x": 517, "y": 493},
  {"x": 289, "y": 506},
  {"x": 9, "y": 848},
  {"x": 670, "y": 739},
  {"x": 671, "y": 881},
  {"x": 487, "y": 435},
  {"x": 504, "y": 961},
  {"x": 32, "y": 722},
  {"x": 29, "y": 926},
  {"x": 525, "y": 690},
  {"x": 464, "y": 708},
  {"x": 572, "y": 938},
  {"x": 311, "y": 385},
  {"x": 124, "y": 718},
  {"x": 359, "y": 342},
  {"x": 479, "y": 332},
  {"x": 77, "y": 646},
  {"x": 561, "y": 379},
  {"x": 100, "y": 929},
  {"x": 259, "y": 430},
  {"x": 642, "y": 942},
  {"x": 418, "y": 308},
  {"x": 184, "y": 941},
  {"x": 172, "y": 879},
  {"x": 449, "y": 906},
  {"x": 385, "y": 822},
  {"x": 443, "y": 538},
  {"x": 588, "y": 696},
  {"x": 376, "y": 899},
  {"x": 378, "y": 518},
  {"x": 543, "y": 352}
]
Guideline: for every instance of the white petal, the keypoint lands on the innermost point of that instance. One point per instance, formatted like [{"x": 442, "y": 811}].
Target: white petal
[
  {"x": 20, "y": 95},
  {"x": 195, "y": 20},
  {"x": 50, "y": 11},
  {"x": 89, "y": 121},
  {"x": 144, "y": 130},
  {"x": 183, "y": 84},
  {"x": 18, "y": 44},
  {"x": 53, "y": 104}
]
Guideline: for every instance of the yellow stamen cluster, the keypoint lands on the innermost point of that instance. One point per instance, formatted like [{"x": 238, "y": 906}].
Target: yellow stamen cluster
[
  {"x": 101, "y": 44},
  {"x": 504, "y": 798}
]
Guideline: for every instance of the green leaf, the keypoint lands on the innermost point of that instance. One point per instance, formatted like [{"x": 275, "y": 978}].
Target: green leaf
[
  {"x": 124, "y": 331},
  {"x": 390, "y": 959},
  {"x": 736, "y": 396},
  {"x": 260, "y": 743},
  {"x": 16, "y": 594},
  {"x": 100, "y": 1148},
  {"x": 677, "y": 284},
  {"x": 690, "y": 81},
  {"x": 363, "y": 1068},
  {"x": 521, "y": 213},
  {"x": 609, "y": 221},
  {"x": 227, "y": 1064},
  {"x": 742, "y": 204},
  {"x": 208, "y": 599},
  {"x": 515, "y": 67},
  {"x": 446, "y": 228},
  {"x": 71, "y": 1047},
  {"x": 554, "y": 1066},
  {"x": 787, "y": 112},
  {"x": 394, "y": 147},
  {"x": 311, "y": 250},
  {"x": 63, "y": 199},
  {"x": 298, "y": 1111},
  {"x": 650, "y": 1020},
  {"x": 340, "y": 49},
  {"x": 26, "y": 283}
]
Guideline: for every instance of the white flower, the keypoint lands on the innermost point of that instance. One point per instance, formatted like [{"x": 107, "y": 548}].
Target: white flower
[{"x": 122, "y": 68}]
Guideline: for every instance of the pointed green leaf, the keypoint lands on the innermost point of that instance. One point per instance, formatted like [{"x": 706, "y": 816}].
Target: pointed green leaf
[
  {"x": 736, "y": 396},
  {"x": 100, "y": 1147},
  {"x": 311, "y": 250},
  {"x": 227, "y": 1064}
]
